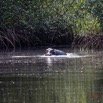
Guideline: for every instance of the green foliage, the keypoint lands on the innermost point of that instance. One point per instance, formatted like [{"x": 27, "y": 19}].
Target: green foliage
[
  {"x": 96, "y": 9},
  {"x": 42, "y": 21}
]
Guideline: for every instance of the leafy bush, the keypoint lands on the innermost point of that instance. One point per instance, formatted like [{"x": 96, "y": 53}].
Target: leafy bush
[{"x": 44, "y": 22}]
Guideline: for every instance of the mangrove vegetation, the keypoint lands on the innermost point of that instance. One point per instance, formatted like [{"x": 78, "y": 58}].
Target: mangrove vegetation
[{"x": 30, "y": 23}]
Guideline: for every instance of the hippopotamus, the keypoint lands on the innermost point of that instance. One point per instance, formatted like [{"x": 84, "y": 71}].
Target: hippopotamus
[{"x": 51, "y": 51}]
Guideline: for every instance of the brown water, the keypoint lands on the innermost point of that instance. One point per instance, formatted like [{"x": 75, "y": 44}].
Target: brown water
[{"x": 29, "y": 77}]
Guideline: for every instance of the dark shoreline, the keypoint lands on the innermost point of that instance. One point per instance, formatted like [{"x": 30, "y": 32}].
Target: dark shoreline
[{"x": 89, "y": 41}]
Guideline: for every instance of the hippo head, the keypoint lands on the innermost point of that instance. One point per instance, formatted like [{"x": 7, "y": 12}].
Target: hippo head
[{"x": 49, "y": 52}]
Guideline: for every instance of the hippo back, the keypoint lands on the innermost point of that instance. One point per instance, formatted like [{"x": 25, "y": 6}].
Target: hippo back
[{"x": 59, "y": 52}]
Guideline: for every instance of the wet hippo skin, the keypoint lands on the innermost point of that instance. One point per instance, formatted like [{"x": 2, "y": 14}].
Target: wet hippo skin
[{"x": 50, "y": 52}]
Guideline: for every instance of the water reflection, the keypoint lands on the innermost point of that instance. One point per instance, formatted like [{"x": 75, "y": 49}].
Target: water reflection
[{"x": 51, "y": 80}]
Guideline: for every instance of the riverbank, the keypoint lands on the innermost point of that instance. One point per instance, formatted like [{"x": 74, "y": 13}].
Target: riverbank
[
  {"x": 89, "y": 41},
  {"x": 80, "y": 42}
]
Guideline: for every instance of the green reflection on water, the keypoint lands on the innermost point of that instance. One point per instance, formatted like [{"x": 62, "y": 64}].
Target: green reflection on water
[
  {"x": 35, "y": 80},
  {"x": 64, "y": 87}
]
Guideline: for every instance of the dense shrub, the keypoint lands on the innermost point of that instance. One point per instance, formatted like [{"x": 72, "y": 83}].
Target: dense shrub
[{"x": 46, "y": 22}]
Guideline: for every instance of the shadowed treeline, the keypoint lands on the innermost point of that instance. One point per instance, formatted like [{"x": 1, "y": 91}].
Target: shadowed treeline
[{"x": 28, "y": 23}]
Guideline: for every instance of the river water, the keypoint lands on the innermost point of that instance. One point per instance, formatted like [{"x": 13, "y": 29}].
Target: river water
[{"x": 31, "y": 77}]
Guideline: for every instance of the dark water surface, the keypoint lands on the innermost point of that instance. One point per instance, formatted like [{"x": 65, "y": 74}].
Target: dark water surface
[{"x": 30, "y": 77}]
